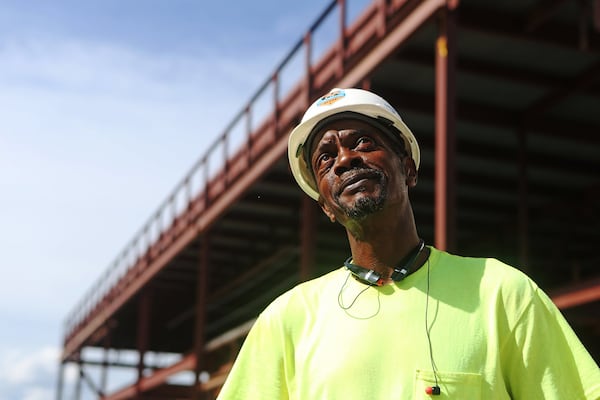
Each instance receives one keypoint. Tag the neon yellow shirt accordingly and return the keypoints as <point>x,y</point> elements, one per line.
<point>494,335</point>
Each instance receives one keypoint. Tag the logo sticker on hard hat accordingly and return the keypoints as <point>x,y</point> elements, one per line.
<point>331,97</point>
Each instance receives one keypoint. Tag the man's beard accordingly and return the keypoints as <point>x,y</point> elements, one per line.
<point>366,205</point>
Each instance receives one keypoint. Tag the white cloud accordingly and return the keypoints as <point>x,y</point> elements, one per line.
<point>38,393</point>
<point>32,373</point>
<point>18,367</point>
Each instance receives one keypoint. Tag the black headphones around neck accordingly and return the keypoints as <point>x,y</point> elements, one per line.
<point>401,271</point>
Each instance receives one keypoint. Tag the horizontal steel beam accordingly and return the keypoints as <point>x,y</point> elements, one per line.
<point>577,296</point>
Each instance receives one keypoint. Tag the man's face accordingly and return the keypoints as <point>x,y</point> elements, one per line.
<point>357,170</point>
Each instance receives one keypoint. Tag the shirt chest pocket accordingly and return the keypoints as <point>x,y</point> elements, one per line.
<point>453,385</point>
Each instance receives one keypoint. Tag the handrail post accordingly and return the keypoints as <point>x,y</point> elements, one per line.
<point>188,200</point>
<point>225,144</point>
<point>248,113</point>
<point>173,208</point>
<point>342,39</point>
<point>308,65</point>
<point>275,80</point>
<point>205,164</point>
<point>159,228</point>
<point>382,15</point>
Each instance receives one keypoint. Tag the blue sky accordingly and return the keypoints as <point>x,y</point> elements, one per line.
<point>104,106</point>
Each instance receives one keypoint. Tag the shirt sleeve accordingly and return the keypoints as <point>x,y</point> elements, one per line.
<point>258,371</point>
<point>544,359</point>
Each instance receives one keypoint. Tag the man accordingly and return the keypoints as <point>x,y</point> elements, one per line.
<point>400,320</point>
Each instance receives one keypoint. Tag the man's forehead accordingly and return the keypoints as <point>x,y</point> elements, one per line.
<point>347,125</point>
<point>341,128</point>
<point>352,120</point>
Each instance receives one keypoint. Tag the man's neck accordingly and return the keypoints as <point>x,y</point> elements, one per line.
<point>381,241</point>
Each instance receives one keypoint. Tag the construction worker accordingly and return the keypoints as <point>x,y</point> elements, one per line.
<point>400,319</point>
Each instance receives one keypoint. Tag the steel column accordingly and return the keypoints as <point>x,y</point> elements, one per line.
<point>143,333</point>
<point>200,322</point>
<point>308,234</point>
<point>445,132</point>
<point>77,394</point>
<point>103,377</point>
<point>60,375</point>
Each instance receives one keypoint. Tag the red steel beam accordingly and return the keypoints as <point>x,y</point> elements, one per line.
<point>577,296</point>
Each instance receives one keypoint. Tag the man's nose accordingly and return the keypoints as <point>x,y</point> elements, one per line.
<point>347,159</point>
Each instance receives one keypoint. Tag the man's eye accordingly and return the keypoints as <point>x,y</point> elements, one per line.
<point>364,141</point>
<point>324,158</point>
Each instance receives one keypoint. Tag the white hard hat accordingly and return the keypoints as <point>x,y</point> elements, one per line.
<point>337,101</point>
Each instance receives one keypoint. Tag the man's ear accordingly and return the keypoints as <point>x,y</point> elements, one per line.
<point>411,172</point>
<point>327,210</point>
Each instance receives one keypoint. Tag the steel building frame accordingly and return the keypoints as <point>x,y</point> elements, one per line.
<point>184,235</point>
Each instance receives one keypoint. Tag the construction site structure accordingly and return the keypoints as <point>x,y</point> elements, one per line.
<point>504,99</point>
